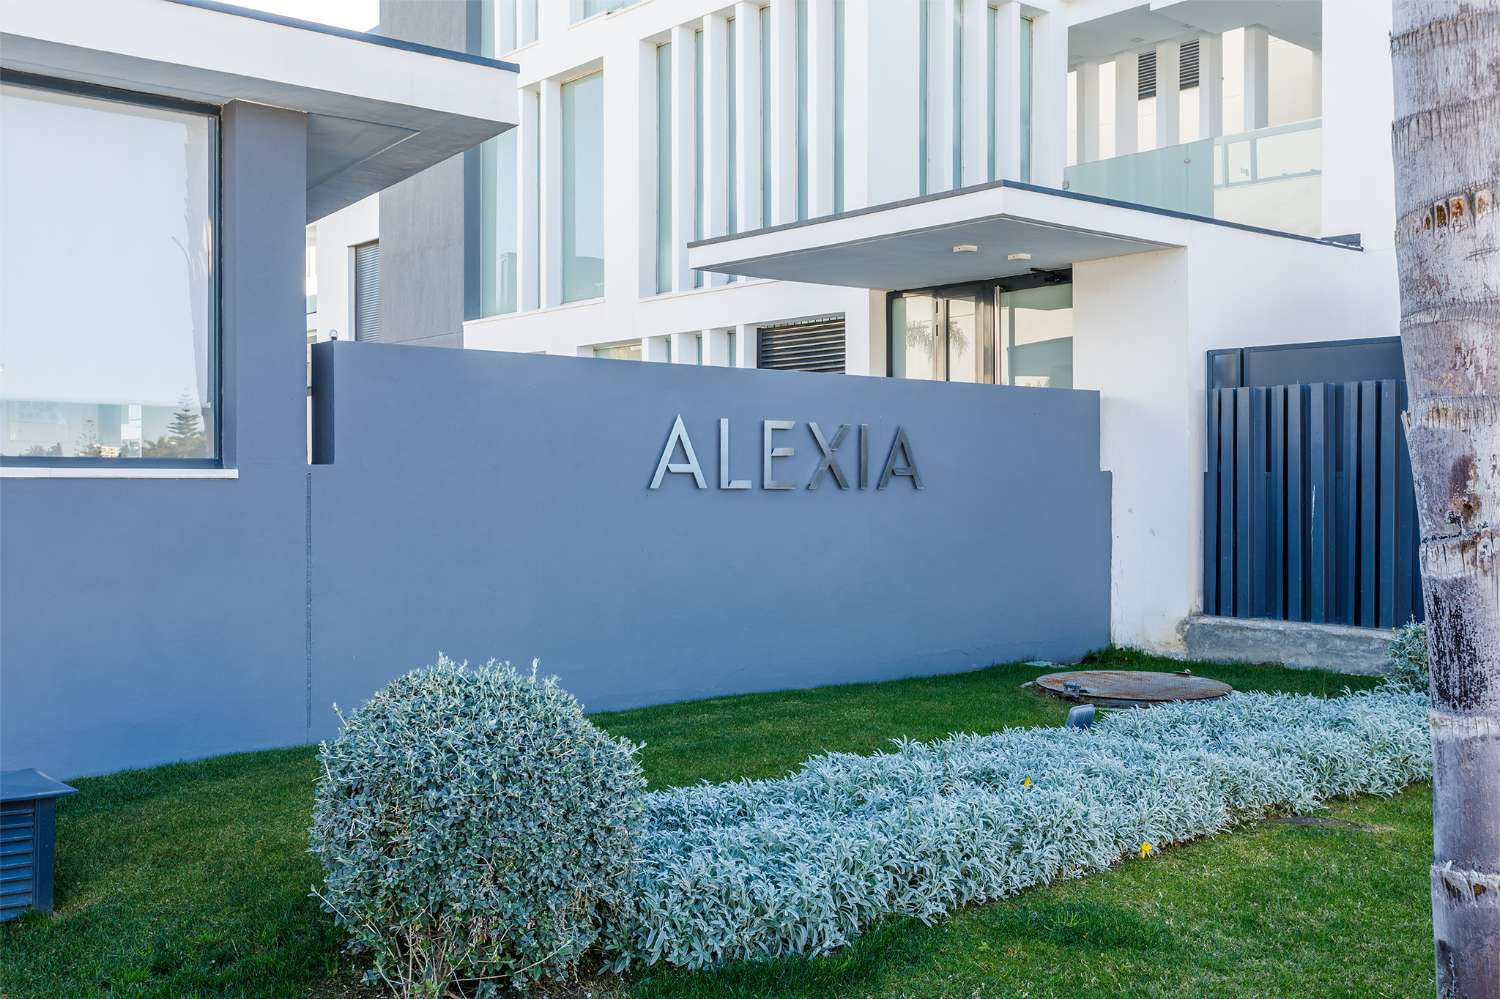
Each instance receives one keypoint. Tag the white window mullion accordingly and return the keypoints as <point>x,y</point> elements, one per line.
<point>549,243</point>
<point>747,121</point>
<point>716,348</point>
<point>783,111</point>
<point>976,64</point>
<point>1008,91</point>
<point>528,174</point>
<point>820,107</point>
<point>715,136</point>
<point>745,346</point>
<point>1049,99</point>
<point>941,59</point>
<point>684,151</point>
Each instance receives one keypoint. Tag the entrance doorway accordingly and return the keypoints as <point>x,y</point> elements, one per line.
<point>1014,331</point>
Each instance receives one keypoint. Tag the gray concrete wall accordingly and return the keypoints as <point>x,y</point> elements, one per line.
<point>423,261</point>
<point>147,620</point>
<point>497,505</point>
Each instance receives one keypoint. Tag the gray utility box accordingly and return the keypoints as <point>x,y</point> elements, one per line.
<point>28,828</point>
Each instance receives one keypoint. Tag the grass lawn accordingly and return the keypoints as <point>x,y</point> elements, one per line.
<point>192,880</point>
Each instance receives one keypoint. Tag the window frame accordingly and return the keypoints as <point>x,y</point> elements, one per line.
<point>213,114</point>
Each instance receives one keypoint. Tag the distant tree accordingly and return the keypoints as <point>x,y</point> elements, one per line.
<point>88,442</point>
<point>184,437</point>
<point>43,451</point>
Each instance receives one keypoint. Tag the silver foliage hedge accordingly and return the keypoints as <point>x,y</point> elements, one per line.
<point>474,826</point>
<point>802,864</point>
<point>1407,666</point>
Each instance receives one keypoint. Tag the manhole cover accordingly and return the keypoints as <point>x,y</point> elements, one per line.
<point>1119,688</point>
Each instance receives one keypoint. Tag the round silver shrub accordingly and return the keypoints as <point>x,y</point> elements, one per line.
<point>476,828</point>
<point>1408,668</point>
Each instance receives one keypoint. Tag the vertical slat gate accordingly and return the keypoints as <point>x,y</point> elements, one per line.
<point>1309,510</point>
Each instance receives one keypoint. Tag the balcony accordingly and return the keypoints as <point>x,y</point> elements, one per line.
<point>1270,177</point>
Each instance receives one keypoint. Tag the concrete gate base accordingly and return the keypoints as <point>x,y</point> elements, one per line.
<point>1291,643</point>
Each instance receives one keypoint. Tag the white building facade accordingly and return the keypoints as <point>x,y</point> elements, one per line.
<point>1082,194</point>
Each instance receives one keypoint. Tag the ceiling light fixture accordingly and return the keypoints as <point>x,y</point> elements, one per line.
<point>966,248</point>
<point>1018,256</point>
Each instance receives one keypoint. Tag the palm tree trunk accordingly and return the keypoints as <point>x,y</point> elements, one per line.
<point>1446,141</point>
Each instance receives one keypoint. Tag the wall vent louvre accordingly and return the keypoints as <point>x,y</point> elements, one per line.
<point>367,292</point>
<point>1146,78</point>
<point>807,345</point>
<point>1189,64</point>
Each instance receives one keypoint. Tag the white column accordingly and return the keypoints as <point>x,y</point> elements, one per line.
<point>685,348</point>
<point>1008,91</point>
<point>976,59</point>
<point>783,111</point>
<point>1049,99</point>
<point>716,348</point>
<point>646,193</point>
<point>528,249</point>
<point>1315,81</point>
<point>819,107</point>
<point>1086,79</point>
<point>1127,102</point>
<point>745,344</point>
<point>716,130</point>
<point>942,56</point>
<point>1257,73</point>
<point>1210,86</point>
<point>549,241</point>
<point>655,348</point>
<point>684,148</point>
<point>1168,94</point>
<point>747,122</point>
<point>881,103</point>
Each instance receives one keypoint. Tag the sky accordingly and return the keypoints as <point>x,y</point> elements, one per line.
<point>358,15</point>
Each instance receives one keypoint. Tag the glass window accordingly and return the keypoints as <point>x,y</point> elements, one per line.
<point>802,109</point>
<point>120,196</point>
<point>700,190</point>
<point>498,246</point>
<point>734,344</point>
<point>1026,33</point>
<point>923,58</point>
<point>588,8</point>
<point>992,19</point>
<point>630,351</point>
<point>732,186</point>
<point>839,12</point>
<point>914,317</point>
<point>1036,337</point>
<point>765,116</point>
<point>958,95</point>
<point>583,188</point>
<point>664,167</point>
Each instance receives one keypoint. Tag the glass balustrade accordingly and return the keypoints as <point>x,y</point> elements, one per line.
<point>1270,177</point>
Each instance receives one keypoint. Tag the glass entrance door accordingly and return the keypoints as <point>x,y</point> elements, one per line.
<point>942,335</point>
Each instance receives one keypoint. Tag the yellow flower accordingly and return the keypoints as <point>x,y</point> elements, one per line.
<point>1145,849</point>
<point>1026,782</point>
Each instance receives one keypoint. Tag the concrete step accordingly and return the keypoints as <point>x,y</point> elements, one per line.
<point>1291,643</point>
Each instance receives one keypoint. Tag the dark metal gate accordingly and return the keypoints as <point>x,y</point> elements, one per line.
<point>1309,510</point>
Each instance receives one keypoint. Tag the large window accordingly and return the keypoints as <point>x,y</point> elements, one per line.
<point>588,8</point>
<point>1015,331</point>
<point>115,199</point>
<point>499,235</point>
<point>583,188</point>
<point>664,167</point>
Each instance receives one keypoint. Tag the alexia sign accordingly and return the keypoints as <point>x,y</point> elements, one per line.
<point>899,459</point>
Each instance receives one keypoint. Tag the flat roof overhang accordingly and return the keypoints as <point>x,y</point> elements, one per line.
<point>911,244</point>
<point>379,110</point>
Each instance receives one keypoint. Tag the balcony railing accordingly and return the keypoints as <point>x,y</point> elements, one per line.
<point>1271,177</point>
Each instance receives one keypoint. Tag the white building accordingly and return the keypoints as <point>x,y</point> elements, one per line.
<point>1067,193</point>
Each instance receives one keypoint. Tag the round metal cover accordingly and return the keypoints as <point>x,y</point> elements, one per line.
<point>1120,688</point>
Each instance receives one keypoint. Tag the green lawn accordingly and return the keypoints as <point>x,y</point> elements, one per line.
<point>191,880</point>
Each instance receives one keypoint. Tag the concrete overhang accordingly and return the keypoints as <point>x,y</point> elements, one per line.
<point>379,109</point>
<point>1139,26</point>
<point>911,244</point>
